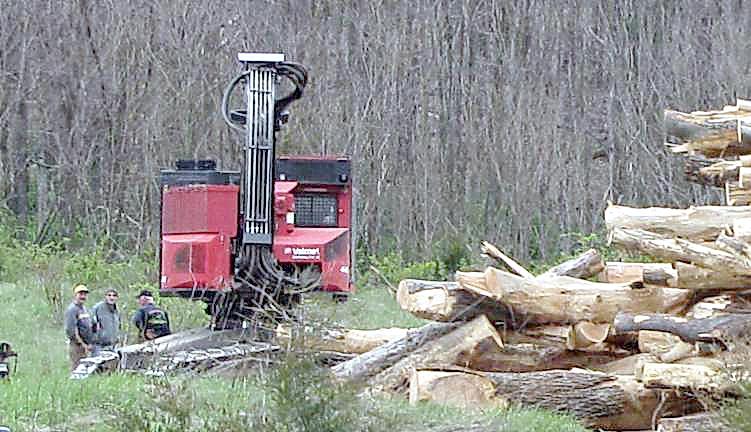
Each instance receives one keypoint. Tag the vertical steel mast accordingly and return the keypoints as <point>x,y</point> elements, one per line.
<point>258,182</point>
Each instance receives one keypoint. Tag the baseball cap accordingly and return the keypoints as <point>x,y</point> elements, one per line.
<point>146,293</point>
<point>80,288</point>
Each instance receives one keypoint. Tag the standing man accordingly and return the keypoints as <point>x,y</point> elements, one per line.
<point>78,326</point>
<point>151,321</point>
<point>107,319</point>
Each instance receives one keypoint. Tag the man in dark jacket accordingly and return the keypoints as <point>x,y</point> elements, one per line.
<point>152,322</point>
<point>78,326</point>
<point>107,321</point>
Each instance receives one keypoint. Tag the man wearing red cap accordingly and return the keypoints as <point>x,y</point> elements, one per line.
<point>78,326</point>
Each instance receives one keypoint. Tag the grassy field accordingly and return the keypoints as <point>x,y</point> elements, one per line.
<point>296,396</point>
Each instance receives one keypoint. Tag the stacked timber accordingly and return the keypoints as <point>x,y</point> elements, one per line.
<point>637,349</point>
<point>717,147</point>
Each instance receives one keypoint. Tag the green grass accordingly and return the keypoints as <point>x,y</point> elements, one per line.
<point>294,397</point>
<point>371,307</point>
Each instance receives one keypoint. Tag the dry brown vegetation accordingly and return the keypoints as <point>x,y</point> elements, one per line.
<point>520,117</point>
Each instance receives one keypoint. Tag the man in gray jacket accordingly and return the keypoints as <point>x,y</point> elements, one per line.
<point>107,322</point>
<point>78,326</point>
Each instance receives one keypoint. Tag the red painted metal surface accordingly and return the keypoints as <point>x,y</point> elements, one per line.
<point>196,261</point>
<point>327,248</point>
<point>198,224</point>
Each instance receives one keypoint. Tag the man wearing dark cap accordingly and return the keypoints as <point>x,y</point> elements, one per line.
<point>78,326</point>
<point>107,322</point>
<point>152,322</point>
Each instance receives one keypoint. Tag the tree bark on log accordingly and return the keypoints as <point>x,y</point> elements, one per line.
<point>446,302</point>
<point>660,274</point>
<point>721,329</point>
<point>584,266</point>
<point>703,223</point>
<point>702,279</point>
<point>338,340</point>
<point>596,399</point>
<point>565,300</point>
<point>703,422</point>
<point>712,134</point>
<point>373,362</point>
<point>462,347</point>
<point>680,250</point>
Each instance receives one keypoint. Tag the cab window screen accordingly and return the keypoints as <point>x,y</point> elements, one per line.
<point>315,210</point>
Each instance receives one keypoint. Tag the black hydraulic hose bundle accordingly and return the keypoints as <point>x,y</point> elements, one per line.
<point>295,72</point>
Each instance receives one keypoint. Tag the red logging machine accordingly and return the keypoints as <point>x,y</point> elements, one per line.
<point>255,239</point>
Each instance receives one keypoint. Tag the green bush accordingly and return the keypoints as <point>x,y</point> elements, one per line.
<point>394,268</point>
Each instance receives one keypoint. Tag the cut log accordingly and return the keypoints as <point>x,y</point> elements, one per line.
<point>712,307</point>
<point>493,252</point>
<point>702,279</point>
<point>680,250</point>
<point>702,422</point>
<point>712,134</point>
<point>742,229</point>
<point>722,329</point>
<point>582,336</point>
<point>596,399</point>
<point>668,348</point>
<point>657,342</point>
<point>131,356</point>
<point>744,177</point>
<point>737,196</point>
<point>462,389</point>
<point>682,377</point>
<point>733,246</point>
<point>462,347</point>
<point>584,266</point>
<point>628,365</point>
<point>565,300</point>
<point>702,223</point>
<point>337,340</point>
<point>446,301</point>
<point>625,365</point>
<point>530,357</point>
<point>711,172</point>
<point>373,362</point>
<point>660,274</point>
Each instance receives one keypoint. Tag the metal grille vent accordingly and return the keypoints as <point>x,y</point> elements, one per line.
<point>316,210</point>
<point>190,259</point>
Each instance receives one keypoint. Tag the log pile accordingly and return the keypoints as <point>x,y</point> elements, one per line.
<point>717,147</point>
<point>637,349</point>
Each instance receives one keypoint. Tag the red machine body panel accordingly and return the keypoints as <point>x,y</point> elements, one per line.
<point>200,209</point>
<point>198,224</point>
<point>196,261</point>
<point>326,247</point>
